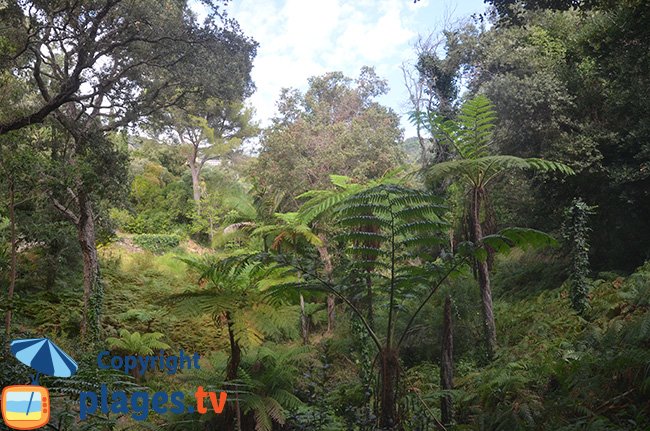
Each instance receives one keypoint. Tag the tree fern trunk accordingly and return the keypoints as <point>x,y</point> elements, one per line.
<point>331,312</point>
<point>231,415</point>
<point>303,321</point>
<point>195,170</point>
<point>371,317</point>
<point>483,278</point>
<point>447,364</point>
<point>232,369</point>
<point>389,369</point>
<point>327,267</point>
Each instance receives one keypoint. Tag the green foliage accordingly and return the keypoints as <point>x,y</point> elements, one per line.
<point>335,126</point>
<point>160,201</point>
<point>264,394</point>
<point>241,289</point>
<point>157,243</point>
<point>576,231</point>
<point>385,225</point>
<point>565,91</point>
<point>386,228</point>
<point>136,282</point>
<point>544,83</point>
<point>393,239</point>
<point>521,274</point>
<point>136,343</point>
<point>471,136</point>
<point>506,239</point>
<point>321,203</point>
<point>225,200</point>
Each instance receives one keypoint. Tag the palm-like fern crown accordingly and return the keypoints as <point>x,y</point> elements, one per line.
<point>242,286</point>
<point>136,343</point>
<point>290,229</point>
<point>320,203</point>
<point>471,136</point>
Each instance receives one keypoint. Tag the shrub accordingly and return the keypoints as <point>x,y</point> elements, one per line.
<point>121,218</point>
<point>149,222</point>
<point>157,243</point>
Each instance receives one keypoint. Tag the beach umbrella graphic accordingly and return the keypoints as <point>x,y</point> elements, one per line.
<point>44,356</point>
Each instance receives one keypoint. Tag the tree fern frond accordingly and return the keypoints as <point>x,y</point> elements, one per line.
<point>420,226</point>
<point>495,165</point>
<point>275,410</point>
<point>454,168</point>
<point>508,238</point>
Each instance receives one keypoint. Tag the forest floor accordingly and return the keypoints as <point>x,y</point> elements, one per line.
<point>553,366</point>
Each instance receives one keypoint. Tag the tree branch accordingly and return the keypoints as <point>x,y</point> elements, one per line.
<point>65,210</point>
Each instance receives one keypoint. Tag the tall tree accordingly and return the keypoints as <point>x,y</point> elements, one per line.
<point>19,167</point>
<point>88,170</point>
<point>336,126</point>
<point>209,130</point>
<point>476,169</point>
<point>433,82</point>
<point>131,59</point>
<point>566,86</point>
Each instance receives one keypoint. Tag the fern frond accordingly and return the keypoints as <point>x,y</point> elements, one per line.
<point>508,238</point>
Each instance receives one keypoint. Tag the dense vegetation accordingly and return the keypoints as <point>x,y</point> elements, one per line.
<point>490,273</point>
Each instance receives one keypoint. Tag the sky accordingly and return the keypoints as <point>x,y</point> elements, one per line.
<point>303,38</point>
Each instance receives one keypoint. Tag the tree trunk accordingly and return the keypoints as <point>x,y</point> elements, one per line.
<point>331,312</point>
<point>196,182</point>
<point>331,300</point>
<point>93,294</point>
<point>447,364</point>
<point>389,373</point>
<point>484,279</point>
<point>231,415</point>
<point>211,230</point>
<point>13,263</point>
<point>232,369</point>
<point>304,325</point>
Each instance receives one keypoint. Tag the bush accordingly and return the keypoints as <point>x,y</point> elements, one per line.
<point>156,243</point>
<point>150,222</point>
<point>121,218</point>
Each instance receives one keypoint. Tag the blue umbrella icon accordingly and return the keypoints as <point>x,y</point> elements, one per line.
<point>45,357</point>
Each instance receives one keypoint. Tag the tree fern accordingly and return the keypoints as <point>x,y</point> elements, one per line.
<point>264,389</point>
<point>476,168</point>
<point>136,343</point>
<point>230,297</point>
<point>393,233</point>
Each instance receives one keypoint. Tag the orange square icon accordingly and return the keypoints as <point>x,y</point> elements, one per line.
<point>25,407</point>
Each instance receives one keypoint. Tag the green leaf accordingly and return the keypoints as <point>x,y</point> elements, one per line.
<point>520,237</point>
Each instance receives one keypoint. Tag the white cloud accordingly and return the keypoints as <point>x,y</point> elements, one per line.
<point>299,39</point>
<point>303,38</point>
